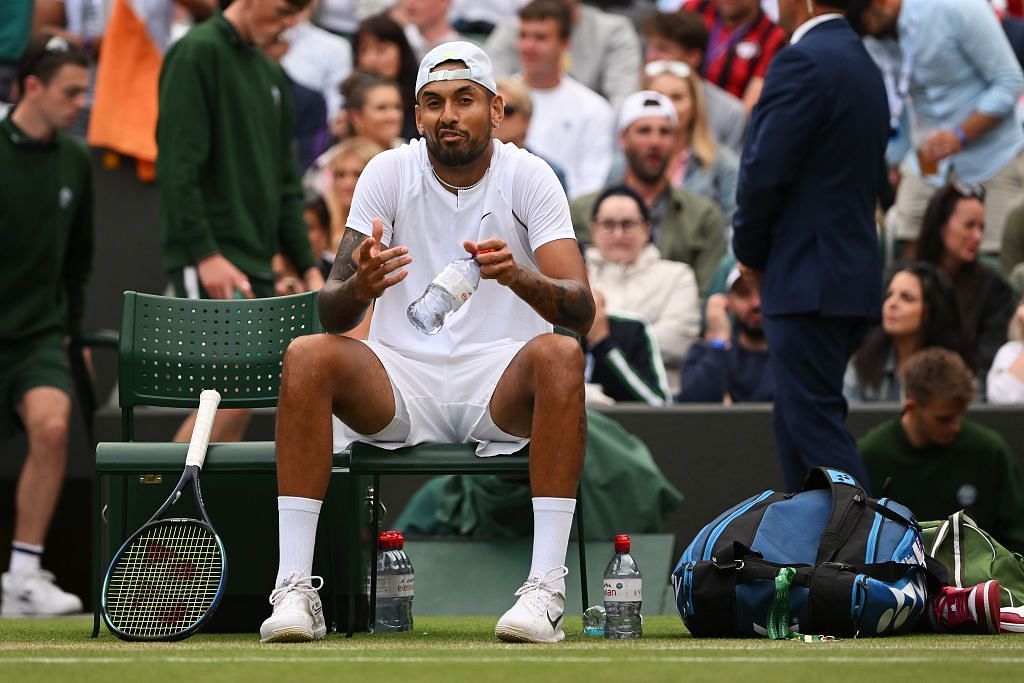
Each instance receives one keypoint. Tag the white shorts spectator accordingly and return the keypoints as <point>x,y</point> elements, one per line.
<point>441,401</point>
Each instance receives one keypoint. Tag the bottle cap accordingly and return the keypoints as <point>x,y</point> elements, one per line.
<point>622,543</point>
<point>399,540</point>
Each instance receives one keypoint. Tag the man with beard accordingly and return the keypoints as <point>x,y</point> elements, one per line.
<point>684,226</point>
<point>730,366</point>
<point>494,374</point>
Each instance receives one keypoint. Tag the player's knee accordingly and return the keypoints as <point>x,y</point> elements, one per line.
<point>559,358</point>
<point>304,355</point>
<point>49,436</point>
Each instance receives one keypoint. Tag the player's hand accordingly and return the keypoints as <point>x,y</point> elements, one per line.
<point>717,316</point>
<point>376,265</point>
<point>495,259</point>
<point>600,329</point>
<point>221,279</point>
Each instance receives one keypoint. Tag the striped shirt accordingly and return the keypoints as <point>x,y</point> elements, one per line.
<point>738,54</point>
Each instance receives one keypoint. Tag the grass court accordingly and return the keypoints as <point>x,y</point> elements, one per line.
<point>464,649</point>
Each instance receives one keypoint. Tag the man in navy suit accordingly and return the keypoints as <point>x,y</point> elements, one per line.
<point>811,172</point>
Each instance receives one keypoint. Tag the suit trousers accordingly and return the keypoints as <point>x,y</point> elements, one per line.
<point>808,354</point>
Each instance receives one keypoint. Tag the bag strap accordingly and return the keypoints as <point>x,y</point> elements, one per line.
<point>848,501</point>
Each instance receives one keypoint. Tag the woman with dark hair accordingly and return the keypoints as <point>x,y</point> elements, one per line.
<point>382,48</point>
<point>919,310</point>
<point>951,233</point>
<point>629,272</point>
<point>373,109</point>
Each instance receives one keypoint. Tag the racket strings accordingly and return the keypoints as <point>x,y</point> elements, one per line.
<point>165,580</point>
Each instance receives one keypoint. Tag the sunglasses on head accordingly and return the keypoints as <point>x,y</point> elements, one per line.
<point>665,66</point>
<point>969,191</point>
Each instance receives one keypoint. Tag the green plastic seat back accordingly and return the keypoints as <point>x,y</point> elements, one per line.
<point>171,349</point>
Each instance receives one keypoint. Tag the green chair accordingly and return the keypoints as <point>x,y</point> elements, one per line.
<point>171,349</point>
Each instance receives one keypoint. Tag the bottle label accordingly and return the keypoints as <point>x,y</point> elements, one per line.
<point>406,587</point>
<point>387,586</point>
<point>456,284</point>
<point>623,590</point>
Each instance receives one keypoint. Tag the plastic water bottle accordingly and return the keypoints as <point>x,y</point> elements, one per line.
<point>623,594</point>
<point>444,295</point>
<point>406,588</point>
<point>388,615</point>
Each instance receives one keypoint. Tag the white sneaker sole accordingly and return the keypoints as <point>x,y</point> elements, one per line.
<point>293,634</point>
<point>511,634</point>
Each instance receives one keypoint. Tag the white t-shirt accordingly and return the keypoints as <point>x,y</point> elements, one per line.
<point>318,60</point>
<point>1002,386</point>
<point>573,126</point>
<point>519,201</point>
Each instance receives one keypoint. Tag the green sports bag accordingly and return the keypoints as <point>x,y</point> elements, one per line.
<point>972,556</point>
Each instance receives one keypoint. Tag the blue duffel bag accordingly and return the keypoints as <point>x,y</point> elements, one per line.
<point>827,561</point>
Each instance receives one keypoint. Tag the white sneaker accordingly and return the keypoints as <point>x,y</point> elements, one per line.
<point>538,614</point>
<point>298,615</point>
<point>35,593</point>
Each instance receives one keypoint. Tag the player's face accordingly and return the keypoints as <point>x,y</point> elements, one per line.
<point>268,19</point>
<point>647,144</point>
<point>62,99</point>
<point>456,119</point>
<point>619,230</point>
<point>381,117</point>
<point>938,422</point>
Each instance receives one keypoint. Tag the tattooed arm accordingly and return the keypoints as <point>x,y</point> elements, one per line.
<point>559,293</point>
<point>361,272</point>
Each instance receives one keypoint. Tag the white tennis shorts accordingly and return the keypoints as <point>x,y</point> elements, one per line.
<point>441,400</point>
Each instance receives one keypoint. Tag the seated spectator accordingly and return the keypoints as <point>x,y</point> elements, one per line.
<point>730,366</point>
<point>518,115</point>
<point>373,109</point>
<point>951,238</point>
<point>317,59</point>
<point>919,310</point>
<point>318,222</point>
<point>427,24</point>
<point>743,42</point>
<point>697,163</point>
<point>623,359</point>
<point>631,275</point>
<point>604,50</point>
<point>346,162</point>
<point>572,125</point>
<point>1006,378</point>
<point>309,111</point>
<point>381,48</point>
<point>683,37</point>
<point>684,226</point>
<point>1011,253</point>
<point>937,462</point>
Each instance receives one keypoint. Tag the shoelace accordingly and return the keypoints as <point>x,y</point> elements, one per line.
<point>306,585</point>
<point>534,588</point>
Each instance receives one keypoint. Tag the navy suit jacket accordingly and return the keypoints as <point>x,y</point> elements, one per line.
<point>810,176</point>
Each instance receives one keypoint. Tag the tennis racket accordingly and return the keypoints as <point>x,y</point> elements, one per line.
<point>167,579</point>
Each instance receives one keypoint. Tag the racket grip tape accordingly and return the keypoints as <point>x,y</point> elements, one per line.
<point>208,402</point>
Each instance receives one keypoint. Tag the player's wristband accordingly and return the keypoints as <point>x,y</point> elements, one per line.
<point>961,136</point>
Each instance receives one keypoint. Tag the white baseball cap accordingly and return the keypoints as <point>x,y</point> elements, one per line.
<point>645,103</point>
<point>478,65</point>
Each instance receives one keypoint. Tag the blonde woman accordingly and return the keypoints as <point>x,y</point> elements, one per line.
<point>1006,378</point>
<point>697,163</point>
<point>345,162</point>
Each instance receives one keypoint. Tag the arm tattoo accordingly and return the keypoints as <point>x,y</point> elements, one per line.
<point>561,302</point>
<point>345,262</point>
<point>340,310</point>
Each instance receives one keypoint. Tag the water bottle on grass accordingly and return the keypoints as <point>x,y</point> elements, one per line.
<point>623,594</point>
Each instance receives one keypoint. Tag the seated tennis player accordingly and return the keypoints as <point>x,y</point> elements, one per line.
<point>495,375</point>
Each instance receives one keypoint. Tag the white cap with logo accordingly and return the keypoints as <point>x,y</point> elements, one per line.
<point>645,103</point>
<point>478,65</point>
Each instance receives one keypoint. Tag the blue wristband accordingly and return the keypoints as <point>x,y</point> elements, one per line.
<point>720,344</point>
<point>961,136</point>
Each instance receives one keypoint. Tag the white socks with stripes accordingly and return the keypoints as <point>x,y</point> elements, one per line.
<point>297,518</point>
<point>25,557</point>
<point>552,522</point>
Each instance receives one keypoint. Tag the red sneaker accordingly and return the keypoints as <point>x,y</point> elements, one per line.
<point>1011,620</point>
<point>966,610</point>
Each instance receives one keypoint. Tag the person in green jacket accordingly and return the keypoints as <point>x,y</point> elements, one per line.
<point>230,192</point>
<point>46,213</point>
<point>937,461</point>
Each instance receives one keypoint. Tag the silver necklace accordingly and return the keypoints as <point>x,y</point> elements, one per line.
<point>457,188</point>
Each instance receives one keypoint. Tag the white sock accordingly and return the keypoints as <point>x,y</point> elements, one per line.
<point>25,557</point>
<point>552,522</point>
<point>297,518</point>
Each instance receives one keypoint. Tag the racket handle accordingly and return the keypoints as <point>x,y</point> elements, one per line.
<point>208,402</point>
